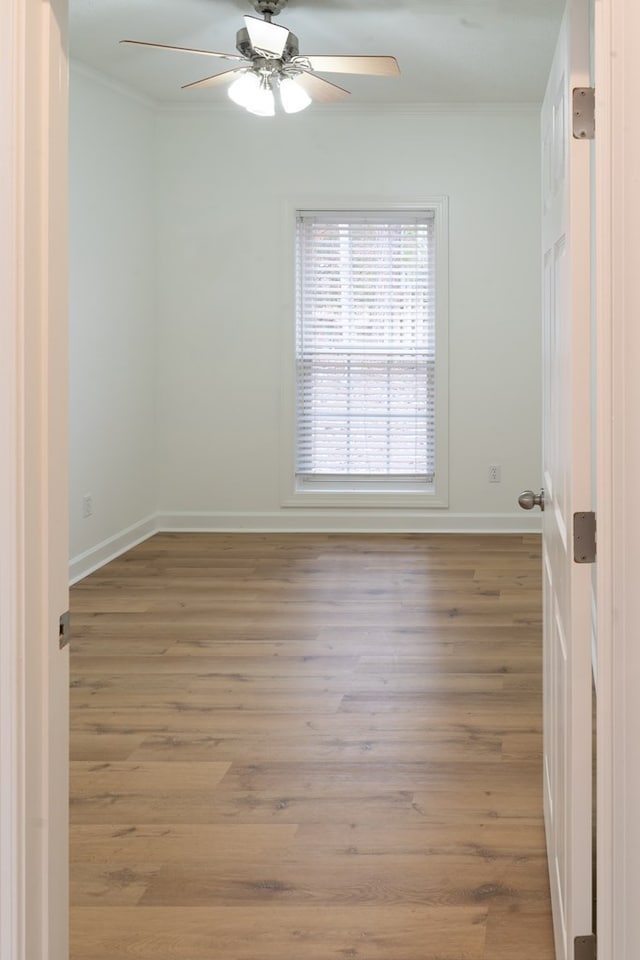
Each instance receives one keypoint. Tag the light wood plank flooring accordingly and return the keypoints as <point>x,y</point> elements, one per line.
<point>308,747</point>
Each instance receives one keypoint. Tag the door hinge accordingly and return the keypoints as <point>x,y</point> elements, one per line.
<point>64,635</point>
<point>584,948</point>
<point>584,113</point>
<point>584,537</point>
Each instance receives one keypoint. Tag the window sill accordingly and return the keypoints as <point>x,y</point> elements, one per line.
<point>356,497</point>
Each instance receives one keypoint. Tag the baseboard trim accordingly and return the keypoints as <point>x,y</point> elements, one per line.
<point>300,521</point>
<point>91,560</point>
<point>347,522</point>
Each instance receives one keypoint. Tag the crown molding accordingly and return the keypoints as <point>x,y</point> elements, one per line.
<point>110,83</point>
<point>401,111</point>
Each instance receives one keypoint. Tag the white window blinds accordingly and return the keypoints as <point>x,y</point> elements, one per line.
<point>365,346</point>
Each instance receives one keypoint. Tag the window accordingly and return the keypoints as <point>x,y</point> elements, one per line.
<point>366,376</point>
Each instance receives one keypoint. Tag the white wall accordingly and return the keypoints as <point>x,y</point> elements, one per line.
<point>224,297</point>
<point>111,318</point>
<point>180,295</point>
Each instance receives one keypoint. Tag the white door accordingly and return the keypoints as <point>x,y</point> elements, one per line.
<point>567,487</point>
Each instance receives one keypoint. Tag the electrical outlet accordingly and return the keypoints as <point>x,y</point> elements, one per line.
<point>495,473</point>
<point>87,505</point>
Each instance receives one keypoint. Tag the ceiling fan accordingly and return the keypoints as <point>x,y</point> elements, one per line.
<point>272,71</point>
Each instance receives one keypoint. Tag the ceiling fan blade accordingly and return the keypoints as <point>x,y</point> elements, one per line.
<point>323,91</point>
<point>374,66</point>
<point>217,80</point>
<point>267,37</point>
<point>167,46</point>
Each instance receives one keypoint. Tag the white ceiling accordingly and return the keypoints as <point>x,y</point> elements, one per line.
<point>449,50</point>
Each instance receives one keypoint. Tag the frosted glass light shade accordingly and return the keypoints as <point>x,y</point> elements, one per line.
<point>244,89</point>
<point>253,93</point>
<point>263,102</point>
<point>292,95</point>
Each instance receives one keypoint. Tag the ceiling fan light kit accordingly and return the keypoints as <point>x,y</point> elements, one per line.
<point>259,94</point>
<point>272,75</point>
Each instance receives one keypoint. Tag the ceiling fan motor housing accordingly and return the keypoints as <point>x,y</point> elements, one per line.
<point>243,46</point>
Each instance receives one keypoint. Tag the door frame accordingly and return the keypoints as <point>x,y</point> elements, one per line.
<point>12,832</point>
<point>617,151</point>
<point>32,516</point>
<point>33,480</point>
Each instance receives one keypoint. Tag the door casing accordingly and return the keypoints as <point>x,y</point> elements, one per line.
<point>33,481</point>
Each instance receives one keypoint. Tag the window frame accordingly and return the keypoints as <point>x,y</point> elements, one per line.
<point>373,493</point>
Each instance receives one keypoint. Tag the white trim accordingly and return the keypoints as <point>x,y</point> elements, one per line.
<point>609,889</point>
<point>12,637</point>
<point>110,83</point>
<point>295,521</point>
<point>618,432</point>
<point>33,537</point>
<point>611,906</point>
<point>329,521</point>
<point>594,636</point>
<point>85,563</point>
<point>350,110</point>
<point>292,495</point>
<point>361,499</point>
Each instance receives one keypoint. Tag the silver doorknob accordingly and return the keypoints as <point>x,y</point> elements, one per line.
<point>528,500</point>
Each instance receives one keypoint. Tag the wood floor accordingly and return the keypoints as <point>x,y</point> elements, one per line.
<point>308,747</point>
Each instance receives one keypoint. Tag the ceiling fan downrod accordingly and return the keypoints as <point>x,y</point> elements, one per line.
<point>269,8</point>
